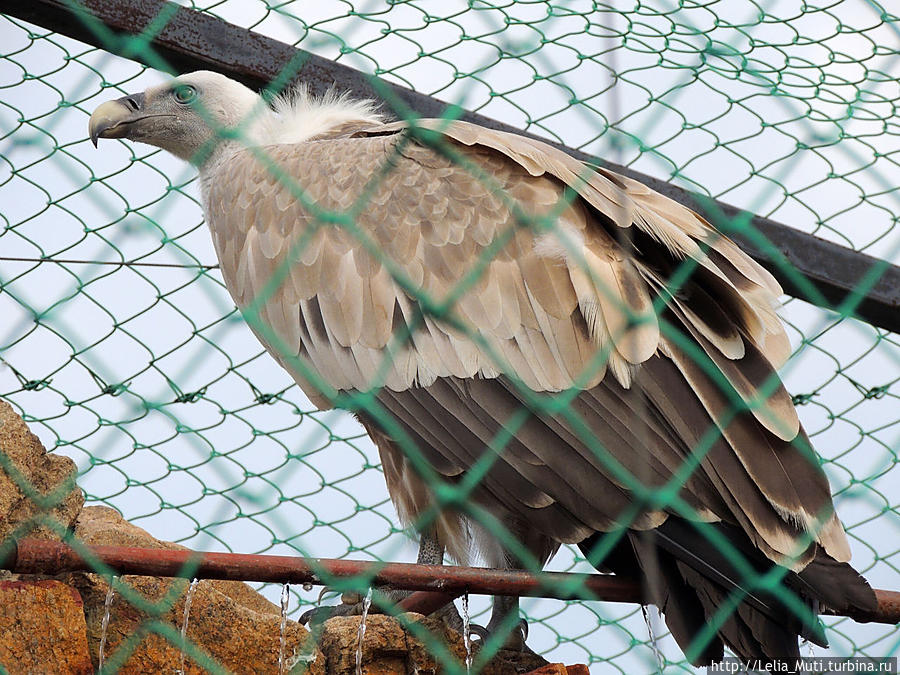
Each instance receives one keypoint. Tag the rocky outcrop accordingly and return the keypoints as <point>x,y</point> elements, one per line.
<point>42,629</point>
<point>229,624</point>
<point>55,625</point>
<point>38,495</point>
<point>390,648</point>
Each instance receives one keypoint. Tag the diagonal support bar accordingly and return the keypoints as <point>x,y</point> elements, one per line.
<point>193,40</point>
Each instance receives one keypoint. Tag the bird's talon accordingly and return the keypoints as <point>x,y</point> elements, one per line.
<point>478,630</point>
<point>308,617</point>
<point>523,627</point>
<point>325,591</point>
<point>514,642</point>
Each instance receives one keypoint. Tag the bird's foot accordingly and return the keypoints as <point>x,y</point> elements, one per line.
<point>515,638</point>
<point>352,604</point>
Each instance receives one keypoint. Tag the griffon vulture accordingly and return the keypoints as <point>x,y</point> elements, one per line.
<point>459,276</point>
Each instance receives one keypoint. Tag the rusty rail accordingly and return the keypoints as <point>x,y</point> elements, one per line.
<point>437,584</point>
<point>192,40</point>
<point>37,556</point>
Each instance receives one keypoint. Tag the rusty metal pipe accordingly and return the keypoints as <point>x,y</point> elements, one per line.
<point>437,584</point>
<point>34,556</point>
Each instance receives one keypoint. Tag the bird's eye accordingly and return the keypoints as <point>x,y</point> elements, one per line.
<point>184,93</point>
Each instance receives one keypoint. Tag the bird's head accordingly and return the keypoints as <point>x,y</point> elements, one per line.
<point>188,117</point>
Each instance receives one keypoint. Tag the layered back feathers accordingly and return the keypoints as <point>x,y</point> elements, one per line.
<point>557,307</point>
<point>556,274</point>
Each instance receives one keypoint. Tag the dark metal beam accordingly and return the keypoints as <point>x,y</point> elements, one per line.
<point>192,40</point>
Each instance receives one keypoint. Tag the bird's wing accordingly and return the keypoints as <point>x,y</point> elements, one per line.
<point>542,271</point>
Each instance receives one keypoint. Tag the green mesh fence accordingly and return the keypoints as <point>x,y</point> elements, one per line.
<point>122,349</point>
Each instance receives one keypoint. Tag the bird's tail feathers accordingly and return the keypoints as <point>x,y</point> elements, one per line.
<point>691,580</point>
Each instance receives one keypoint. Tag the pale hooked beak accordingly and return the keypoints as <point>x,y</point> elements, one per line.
<point>113,118</point>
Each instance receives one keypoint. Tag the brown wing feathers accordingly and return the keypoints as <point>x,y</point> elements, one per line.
<point>545,303</point>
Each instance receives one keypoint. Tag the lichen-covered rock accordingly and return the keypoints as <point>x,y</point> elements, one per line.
<point>233,625</point>
<point>42,629</point>
<point>103,526</point>
<point>30,475</point>
<point>389,648</point>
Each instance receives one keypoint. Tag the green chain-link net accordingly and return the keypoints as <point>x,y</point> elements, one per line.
<point>145,374</point>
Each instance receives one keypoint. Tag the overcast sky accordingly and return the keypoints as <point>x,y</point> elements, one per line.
<point>175,448</point>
